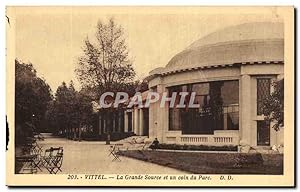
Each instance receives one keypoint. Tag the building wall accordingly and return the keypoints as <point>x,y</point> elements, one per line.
<point>246,74</point>
<point>249,117</point>
<point>211,74</point>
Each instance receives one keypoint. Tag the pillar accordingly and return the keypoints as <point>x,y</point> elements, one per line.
<point>132,120</point>
<point>245,107</point>
<point>141,122</point>
<point>125,121</point>
<point>100,124</point>
<point>152,118</point>
<point>113,122</point>
<point>162,120</point>
<point>119,121</point>
<point>136,121</point>
<point>104,125</point>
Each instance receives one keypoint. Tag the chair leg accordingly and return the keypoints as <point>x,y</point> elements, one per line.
<point>116,157</point>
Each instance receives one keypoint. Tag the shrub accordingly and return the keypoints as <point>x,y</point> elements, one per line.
<point>197,147</point>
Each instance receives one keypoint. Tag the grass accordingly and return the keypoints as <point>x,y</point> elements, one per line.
<point>213,163</point>
<point>197,147</point>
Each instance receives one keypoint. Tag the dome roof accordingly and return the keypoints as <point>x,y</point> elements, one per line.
<point>249,42</point>
<point>242,32</point>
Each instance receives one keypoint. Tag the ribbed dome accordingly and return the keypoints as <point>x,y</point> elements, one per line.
<point>249,42</point>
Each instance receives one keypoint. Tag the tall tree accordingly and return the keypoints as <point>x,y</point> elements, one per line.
<point>105,64</point>
<point>61,110</point>
<point>273,107</point>
<point>32,95</point>
<point>69,111</point>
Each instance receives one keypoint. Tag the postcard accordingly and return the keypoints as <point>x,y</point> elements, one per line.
<point>150,96</point>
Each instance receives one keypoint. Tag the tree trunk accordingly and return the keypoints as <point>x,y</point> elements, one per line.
<point>79,135</point>
<point>108,139</point>
<point>74,134</point>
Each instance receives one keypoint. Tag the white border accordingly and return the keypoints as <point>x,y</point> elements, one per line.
<point>4,3</point>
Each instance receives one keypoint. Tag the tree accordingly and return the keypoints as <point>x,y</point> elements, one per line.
<point>105,64</point>
<point>52,118</point>
<point>58,109</point>
<point>84,111</point>
<point>32,95</point>
<point>273,106</point>
<point>69,111</point>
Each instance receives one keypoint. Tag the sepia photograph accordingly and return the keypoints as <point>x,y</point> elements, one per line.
<point>150,96</point>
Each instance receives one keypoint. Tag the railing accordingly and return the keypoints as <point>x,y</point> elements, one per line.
<point>223,139</point>
<point>219,137</point>
<point>194,139</point>
<point>209,140</point>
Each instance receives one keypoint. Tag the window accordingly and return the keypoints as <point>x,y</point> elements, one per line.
<point>219,108</point>
<point>263,133</point>
<point>263,91</point>
<point>175,113</point>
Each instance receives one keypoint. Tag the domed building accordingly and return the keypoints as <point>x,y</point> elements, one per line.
<point>231,71</point>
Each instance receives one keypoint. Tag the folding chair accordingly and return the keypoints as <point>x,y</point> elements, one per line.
<point>31,149</point>
<point>54,162</point>
<point>114,152</point>
<point>37,148</point>
<point>58,160</point>
<point>111,150</point>
<point>28,164</point>
<point>116,157</point>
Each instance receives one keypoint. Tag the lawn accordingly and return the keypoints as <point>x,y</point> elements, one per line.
<point>213,163</point>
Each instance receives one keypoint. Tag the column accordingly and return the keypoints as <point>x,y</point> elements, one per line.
<point>152,118</point>
<point>141,122</point>
<point>113,122</point>
<point>245,125</point>
<point>132,120</point>
<point>119,121</point>
<point>104,125</point>
<point>136,121</point>
<point>100,124</point>
<point>162,119</point>
<point>125,121</point>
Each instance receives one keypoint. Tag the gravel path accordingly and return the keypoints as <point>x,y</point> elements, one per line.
<point>88,157</point>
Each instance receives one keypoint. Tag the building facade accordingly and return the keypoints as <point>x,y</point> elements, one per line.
<point>231,72</point>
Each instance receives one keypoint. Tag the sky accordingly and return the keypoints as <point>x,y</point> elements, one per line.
<point>52,38</point>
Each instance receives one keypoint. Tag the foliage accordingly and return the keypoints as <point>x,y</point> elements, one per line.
<point>32,95</point>
<point>70,109</point>
<point>142,86</point>
<point>197,147</point>
<point>105,64</point>
<point>273,106</point>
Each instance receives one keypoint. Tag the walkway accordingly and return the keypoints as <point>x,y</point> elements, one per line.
<point>92,157</point>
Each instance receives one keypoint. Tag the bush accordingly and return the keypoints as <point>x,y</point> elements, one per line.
<point>197,147</point>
